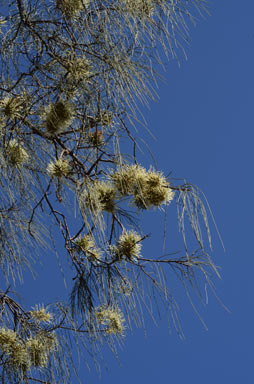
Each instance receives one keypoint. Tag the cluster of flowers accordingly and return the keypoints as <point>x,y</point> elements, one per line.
<point>79,68</point>
<point>148,188</point>
<point>58,168</point>
<point>58,116</point>
<point>16,154</point>
<point>39,314</point>
<point>71,8</point>
<point>99,196</point>
<point>87,245</point>
<point>128,246</point>
<point>12,107</point>
<point>31,352</point>
<point>112,318</point>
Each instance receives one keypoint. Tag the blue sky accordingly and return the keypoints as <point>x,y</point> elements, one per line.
<point>203,125</point>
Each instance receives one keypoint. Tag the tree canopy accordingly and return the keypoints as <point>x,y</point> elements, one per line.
<point>74,74</point>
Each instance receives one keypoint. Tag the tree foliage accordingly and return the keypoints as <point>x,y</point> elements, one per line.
<point>73,75</point>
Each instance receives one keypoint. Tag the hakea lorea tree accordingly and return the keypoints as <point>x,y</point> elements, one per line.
<point>73,73</point>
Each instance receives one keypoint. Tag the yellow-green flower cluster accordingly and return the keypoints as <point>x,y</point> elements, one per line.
<point>87,245</point>
<point>11,107</point>
<point>112,318</point>
<point>7,338</point>
<point>128,245</point>
<point>79,68</point>
<point>22,354</point>
<point>37,352</point>
<point>128,177</point>
<point>71,7</point>
<point>58,117</point>
<point>18,356</point>
<point>107,195</point>
<point>17,155</point>
<point>100,196</point>
<point>39,314</point>
<point>16,351</point>
<point>154,192</point>
<point>149,188</point>
<point>39,348</point>
<point>58,168</point>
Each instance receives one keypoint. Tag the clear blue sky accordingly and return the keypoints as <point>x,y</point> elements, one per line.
<point>204,127</point>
